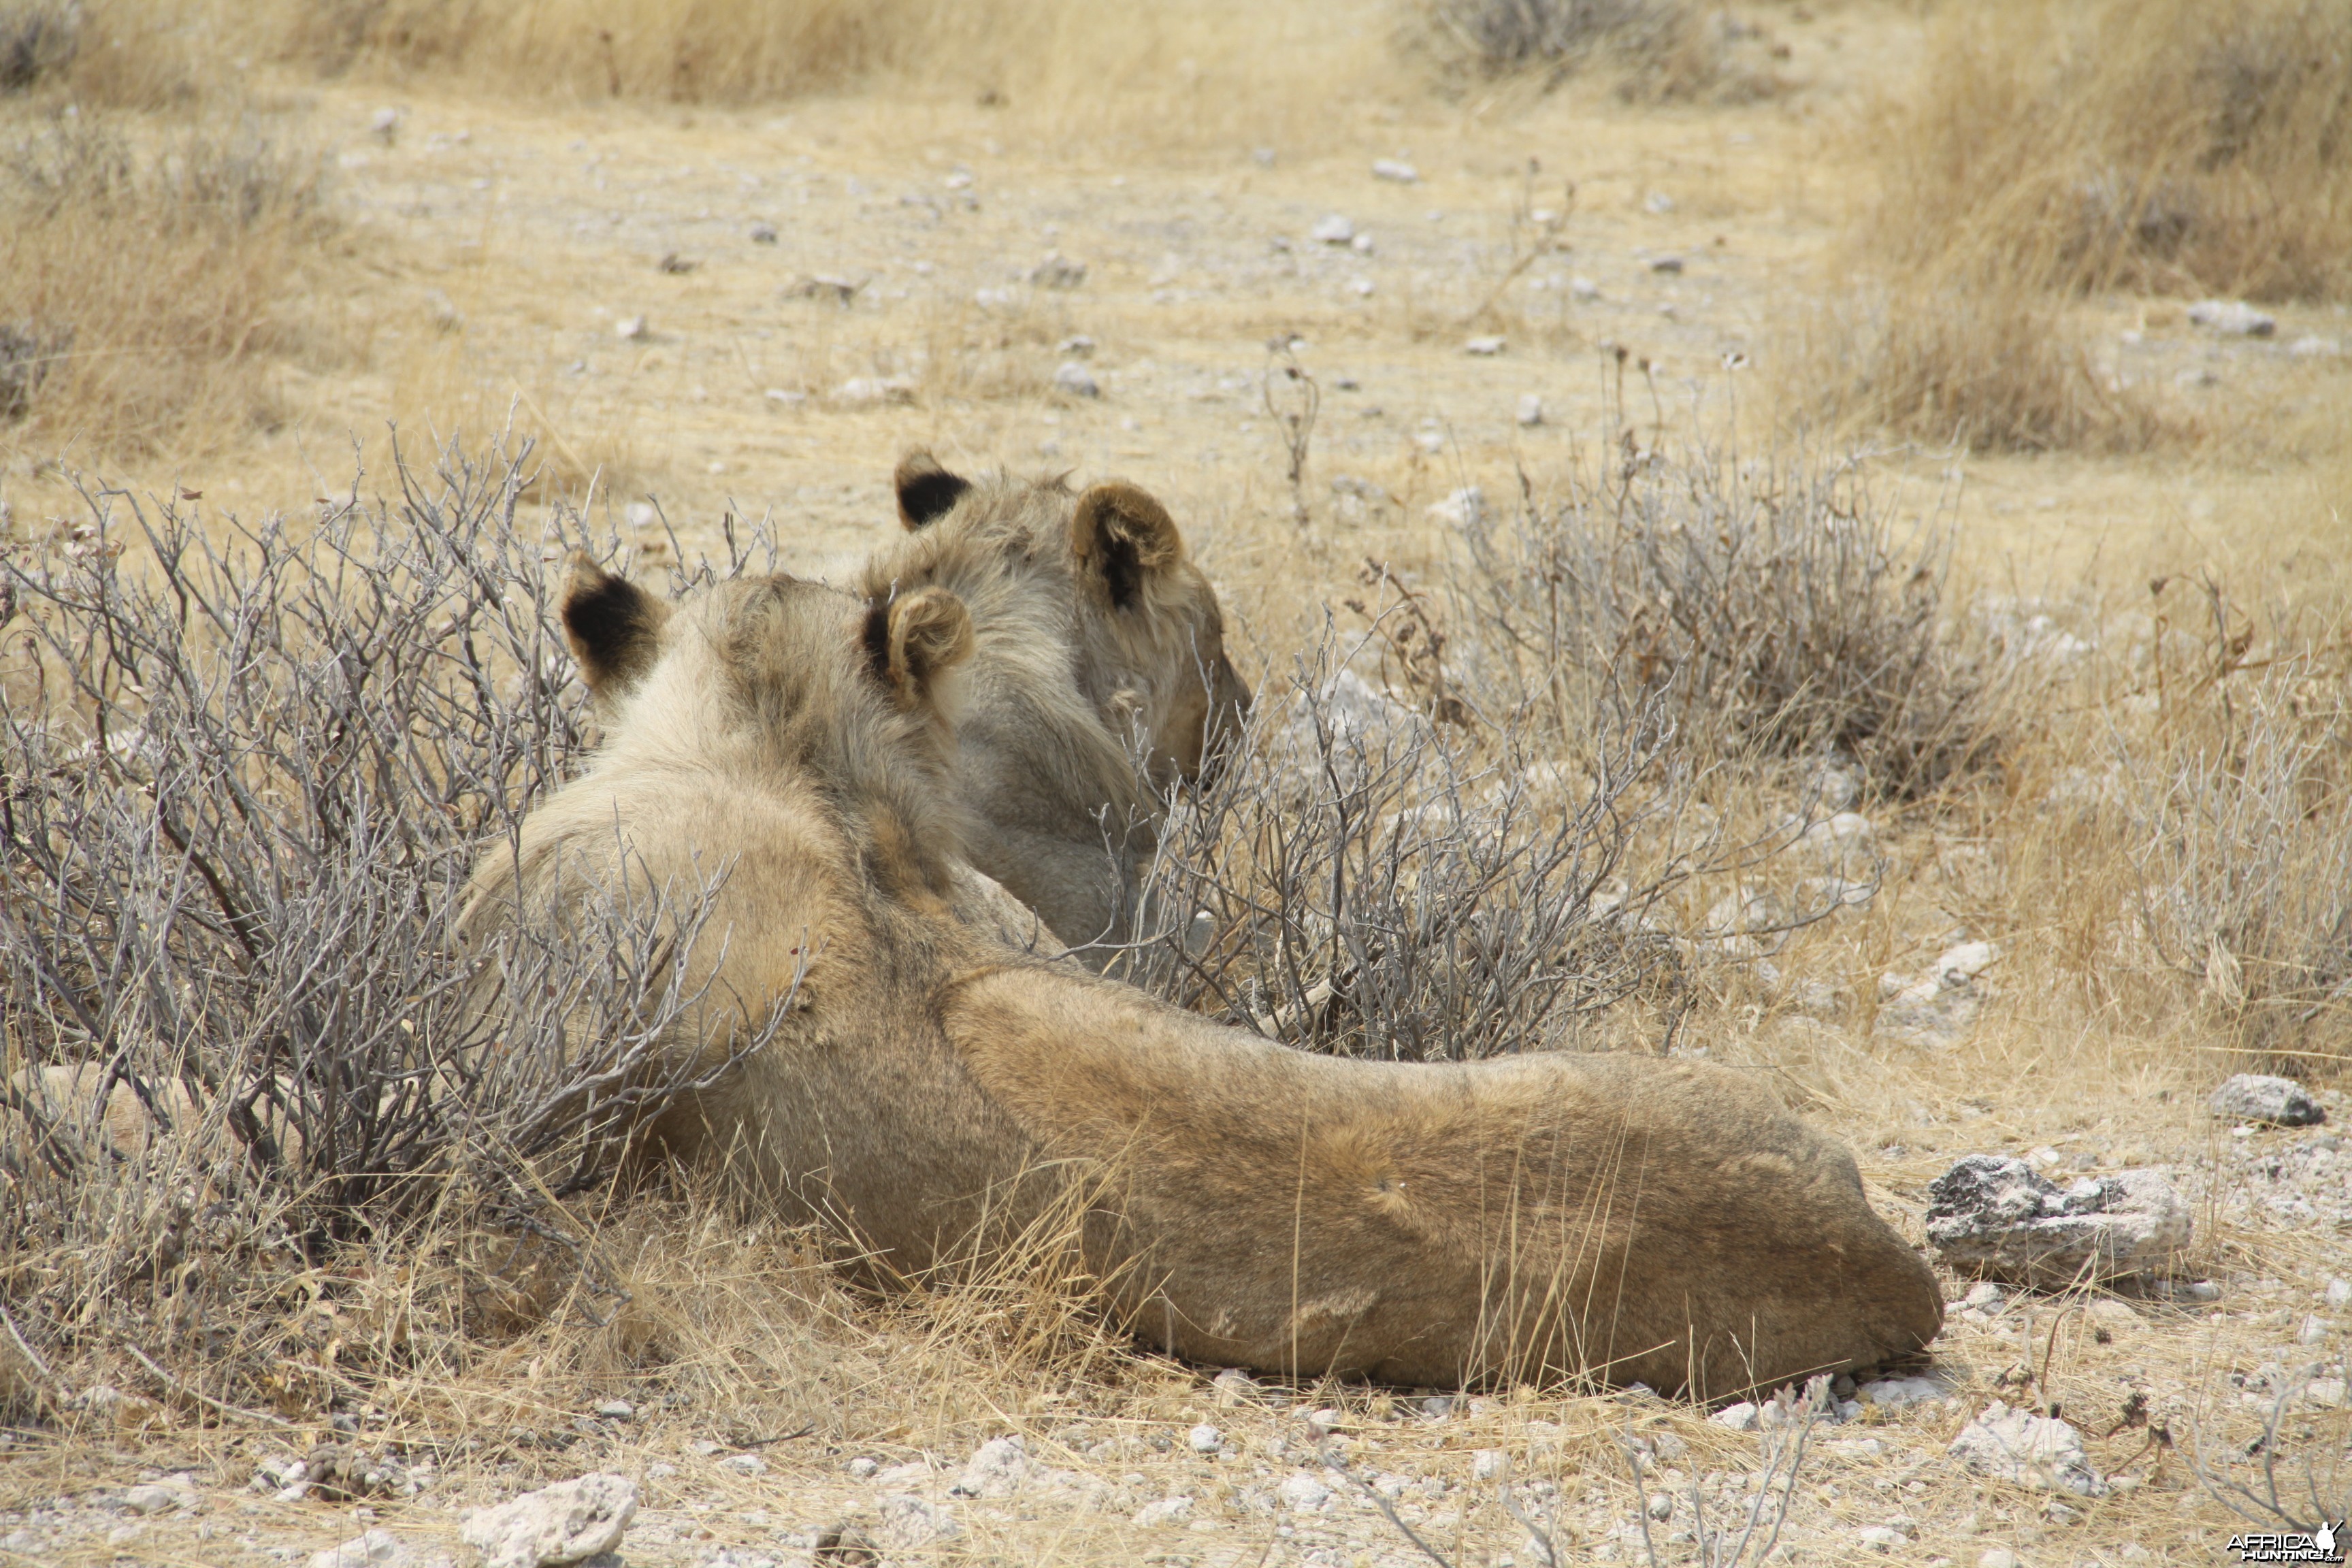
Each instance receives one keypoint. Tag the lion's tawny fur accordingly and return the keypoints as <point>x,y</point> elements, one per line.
<point>1090,622</point>
<point>933,1092</point>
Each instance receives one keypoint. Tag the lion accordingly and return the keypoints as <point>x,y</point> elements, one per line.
<point>1092,628</point>
<point>936,1094</point>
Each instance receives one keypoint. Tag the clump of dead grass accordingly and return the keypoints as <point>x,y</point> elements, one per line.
<point>1656,50</point>
<point>146,275</point>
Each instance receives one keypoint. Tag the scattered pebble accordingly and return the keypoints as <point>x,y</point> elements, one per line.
<point>1465,508</point>
<point>1333,230</point>
<point>376,1549</point>
<point>632,328</point>
<point>2040,1452</point>
<point>1058,271</point>
<point>1584,289</point>
<point>1531,409</point>
<point>1204,1439</point>
<point>763,234</point>
<point>744,1464</point>
<point>1075,378</point>
<point>2314,347</point>
<point>1665,264</point>
<point>616,1410</point>
<point>1166,1511</point>
<point>1740,1417</point>
<point>1395,169</point>
<point>563,1524</point>
<point>1485,345</point>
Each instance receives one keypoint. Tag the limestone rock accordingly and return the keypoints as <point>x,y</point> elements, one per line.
<point>2234,317</point>
<point>996,1469</point>
<point>2027,1451</point>
<point>376,1549</point>
<point>567,1523</point>
<point>2276,1101</point>
<point>1990,1215</point>
<point>1938,1008</point>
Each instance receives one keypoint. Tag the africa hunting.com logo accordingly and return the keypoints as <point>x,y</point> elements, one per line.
<point>2318,1547</point>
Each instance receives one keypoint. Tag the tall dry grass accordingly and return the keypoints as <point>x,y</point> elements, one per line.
<point>2046,151</point>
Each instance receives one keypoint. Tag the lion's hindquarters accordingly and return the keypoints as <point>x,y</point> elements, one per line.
<point>1548,1216</point>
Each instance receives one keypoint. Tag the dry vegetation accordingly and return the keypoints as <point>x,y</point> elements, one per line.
<point>1558,774</point>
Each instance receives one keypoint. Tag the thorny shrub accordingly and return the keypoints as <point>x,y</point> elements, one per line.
<point>246,771</point>
<point>1774,607</point>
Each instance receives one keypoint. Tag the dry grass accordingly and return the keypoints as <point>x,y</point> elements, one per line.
<point>149,277</point>
<point>2048,152</point>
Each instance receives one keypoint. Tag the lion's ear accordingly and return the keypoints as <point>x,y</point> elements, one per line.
<point>613,626</point>
<point>914,641</point>
<point>925,491</point>
<point>1120,536</point>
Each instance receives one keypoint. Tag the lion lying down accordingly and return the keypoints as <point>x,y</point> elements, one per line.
<point>933,1092</point>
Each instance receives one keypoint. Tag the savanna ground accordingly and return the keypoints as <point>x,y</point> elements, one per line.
<point>1742,278</point>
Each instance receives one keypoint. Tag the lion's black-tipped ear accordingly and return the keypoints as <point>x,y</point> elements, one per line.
<point>925,491</point>
<point>1121,536</point>
<point>613,626</point>
<point>914,640</point>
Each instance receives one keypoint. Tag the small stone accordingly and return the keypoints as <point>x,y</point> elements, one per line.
<point>1584,288</point>
<point>1204,1439</point>
<point>1396,170</point>
<point>1665,264</point>
<point>744,1465</point>
<point>1465,508</point>
<point>862,1468</point>
<point>155,1497</point>
<point>1333,230</point>
<point>1233,1384</point>
<point>616,1410</point>
<point>1076,346</point>
<point>1488,1464</point>
<point>1485,347</point>
<point>1896,1393</point>
<point>870,390</point>
<point>2312,347</point>
<point>2339,1294</point>
<point>384,123</point>
<point>1658,203</point>
<point>1662,1506</point>
<point>1531,409</point>
<point>1166,1511</point>
<point>2274,1101</point>
<point>911,1523</point>
<point>763,234</point>
<point>2313,1332</point>
<point>1076,379</point>
<point>1262,156</point>
<point>1362,244</point>
<point>1991,1214</point>
<point>1058,271</point>
<point>996,1469</point>
<point>1302,1492</point>
<point>1362,289</point>
<point>2028,1451</point>
<point>376,1549</point>
<point>1881,1537</point>
<point>567,1523</point>
<point>661,1470</point>
<point>1740,1417</point>
<point>631,328</point>
<point>785,395</point>
<point>2234,318</point>
<point>1998,1557</point>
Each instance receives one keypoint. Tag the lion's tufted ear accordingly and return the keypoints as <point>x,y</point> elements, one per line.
<point>613,626</point>
<point>914,641</point>
<point>925,491</point>
<point>1122,535</point>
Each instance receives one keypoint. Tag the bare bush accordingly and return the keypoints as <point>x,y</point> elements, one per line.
<point>245,782</point>
<point>1771,606</point>
<point>2239,806</point>
<point>36,41</point>
<point>1657,48</point>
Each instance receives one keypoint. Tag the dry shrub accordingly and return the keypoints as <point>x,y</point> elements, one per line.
<point>145,279</point>
<point>245,782</point>
<point>2238,819</point>
<point>1657,48</point>
<point>1774,606</point>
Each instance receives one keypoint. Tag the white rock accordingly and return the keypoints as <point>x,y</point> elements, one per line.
<point>1233,1384</point>
<point>1465,508</point>
<point>566,1523</point>
<point>1740,1417</point>
<point>1303,1493</point>
<point>1362,288</point>
<point>1995,1216</point>
<point>2276,1101</point>
<point>1881,1537</point>
<point>910,1523</point>
<point>1166,1510</point>
<point>1894,1393</point>
<point>2339,1294</point>
<point>1333,230</point>
<point>154,1496</point>
<point>1395,169</point>
<point>996,1469</point>
<point>2310,347</point>
<point>376,1549</point>
<point>1531,409</point>
<point>1848,837</point>
<point>1984,1295</point>
<point>2326,1393</point>
<point>2234,317</point>
<point>1077,345</point>
<point>384,122</point>
<point>632,328</point>
<point>763,234</point>
<point>1657,201</point>
<point>861,1468</point>
<point>616,1410</point>
<point>1488,1464</point>
<point>1584,289</point>
<point>1662,1506</point>
<point>744,1465</point>
<point>1075,378</point>
<point>868,390</point>
<point>2027,1451</point>
<point>1485,346</point>
<point>1204,1439</point>
<point>1362,244</point>
<point>1998,1557</point>
<point>1942,1005</point>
